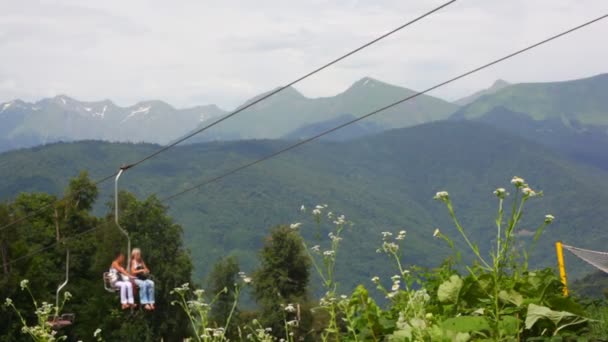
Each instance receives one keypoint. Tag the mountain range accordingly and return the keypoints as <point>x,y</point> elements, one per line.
<point>62,118</point>
<point>569,116</point>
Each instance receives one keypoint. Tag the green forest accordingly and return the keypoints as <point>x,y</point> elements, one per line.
<point>494,296</point>
<point>383,182</point>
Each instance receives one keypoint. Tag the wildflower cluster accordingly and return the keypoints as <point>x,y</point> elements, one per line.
<point>194,304</point>
<point>42,331</point>
<point>245,278</point>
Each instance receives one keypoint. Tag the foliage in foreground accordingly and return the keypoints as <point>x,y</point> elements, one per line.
<point>494,297</point>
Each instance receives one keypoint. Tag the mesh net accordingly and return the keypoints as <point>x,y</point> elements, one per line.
<point>598,259</point>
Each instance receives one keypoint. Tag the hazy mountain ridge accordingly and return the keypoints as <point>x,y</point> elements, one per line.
<point>570,117</point>
<point>289,111</point>
<point>496,86</point>
<point>570,108</point>
<point>62,118</point>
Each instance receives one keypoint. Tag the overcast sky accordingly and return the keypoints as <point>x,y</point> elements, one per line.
<point>189,52</point>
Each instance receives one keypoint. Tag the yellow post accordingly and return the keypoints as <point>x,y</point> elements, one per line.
<point>562,267</point>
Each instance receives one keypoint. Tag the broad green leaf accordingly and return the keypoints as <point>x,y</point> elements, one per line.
<point>466,324</point>
<point>559,318</point>
<point>448,291</point>
<point>511,296</point>
<point>508,326</point>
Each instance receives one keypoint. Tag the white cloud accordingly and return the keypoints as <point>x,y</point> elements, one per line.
<point>195,52</point>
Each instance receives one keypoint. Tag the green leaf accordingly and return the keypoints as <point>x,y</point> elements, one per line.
<point>508,326</point>
<point>511,296</point>
<point>466,324</point>
<point>559,318</point>
<point>449,290</point>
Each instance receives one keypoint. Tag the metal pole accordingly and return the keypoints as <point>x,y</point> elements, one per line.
<point>562,267</point>
<point>67,278</point>
<point>123,231</point>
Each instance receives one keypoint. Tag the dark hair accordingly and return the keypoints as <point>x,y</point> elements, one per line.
<point>118,254</point>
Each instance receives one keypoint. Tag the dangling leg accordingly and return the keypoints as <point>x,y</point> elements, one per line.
<point>129,287</point>
<point>143,293</point>
<point>123,294</point>
<point>151,293</point>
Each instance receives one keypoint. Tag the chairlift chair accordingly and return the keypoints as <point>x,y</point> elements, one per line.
<point>61,321</point>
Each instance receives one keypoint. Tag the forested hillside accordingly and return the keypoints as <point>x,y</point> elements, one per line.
<point>382,182</point>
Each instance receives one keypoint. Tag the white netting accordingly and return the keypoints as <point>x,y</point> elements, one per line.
<point>598,259</point>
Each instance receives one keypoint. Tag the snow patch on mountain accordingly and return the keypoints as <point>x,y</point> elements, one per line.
<point>141,111</point>
<point>102,113</point>
<point>5,106</point>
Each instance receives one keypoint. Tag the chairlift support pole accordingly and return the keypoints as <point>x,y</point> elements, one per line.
<point>123,231</point>
<point>562,266</point>
<point>67,278</point>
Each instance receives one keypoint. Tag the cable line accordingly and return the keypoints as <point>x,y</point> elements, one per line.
<point>44,207</point>
<point>484,66</point>
<point>292,83</point>
<point>331,130</point>
<point>266,96</point>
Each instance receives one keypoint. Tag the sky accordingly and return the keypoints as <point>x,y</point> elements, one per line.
<point>196,52</point>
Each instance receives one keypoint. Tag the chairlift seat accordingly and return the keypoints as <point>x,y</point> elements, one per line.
<point>107,283</point>
<point>62,321</point>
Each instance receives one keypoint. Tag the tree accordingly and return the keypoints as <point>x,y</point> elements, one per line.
<point>282,277</point>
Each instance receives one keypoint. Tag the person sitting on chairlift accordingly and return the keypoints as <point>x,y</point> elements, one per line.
<point>143,281</point>
<point>120,278</point>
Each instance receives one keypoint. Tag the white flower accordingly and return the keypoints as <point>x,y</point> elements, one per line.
<point>401,235</point>
<point>320,207</point>
<point>247,280</point>
<point>316,212</point>
<point>316,248</point>
<point>395,278</point>
<point>391,295</point>
<point>24,283</point>
<point>67,295</point>
<point>333,237</point>
<point>329,253</point>
<point>436,233</point>
<point>386,234</point>
<point>442,196</point>
<point>292,323</point>
<point>549,218</point>
<point>501,192</point>
<point>375,279</point>
<point>8,301</point>
<point>330,215</point>
<point>303,208</point>
<point>97,332</point>
<point>395,286</point>
<point>518,181</point>
<point>390,247</point>
<point>290,308</point>
<point>528,192</point>
<point>295,225</point>
<point>340,221</point>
